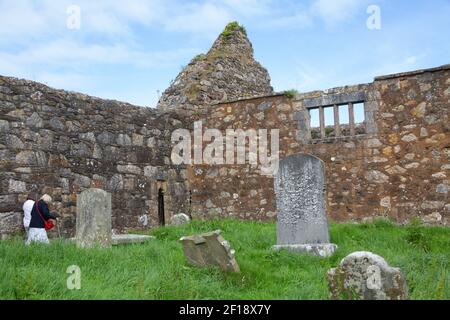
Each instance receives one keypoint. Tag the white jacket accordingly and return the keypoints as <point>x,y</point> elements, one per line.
<point>27,207</point>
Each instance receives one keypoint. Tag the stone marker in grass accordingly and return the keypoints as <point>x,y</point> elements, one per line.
<point>366,276</point>
<point>210,249</point>
<point>302,219</point>
<point>93,226</point>
<point>180,219</point>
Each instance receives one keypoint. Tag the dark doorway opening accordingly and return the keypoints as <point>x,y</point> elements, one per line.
<point>161,214</point>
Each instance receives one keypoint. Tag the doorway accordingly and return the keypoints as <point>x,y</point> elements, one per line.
<point>161,213</point>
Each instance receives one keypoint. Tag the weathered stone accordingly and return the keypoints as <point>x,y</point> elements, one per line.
<point>17,186</point>
<point>26,158</point>
<point>81,150</point>
<point>14,142</point>
<point>131,169</point>
<point>124,140</point>
<point>150,171</point>
<point>97,153</point>
<point>302,220</point>
<point>409,138</point>
<point>89,136</point>
<point>116,183</point>
<point>82,181</point>
<point>93,224</point>
<point>423,132</point>
<point>413,165</point>
<point>374,143</point>
<point>7,202</point>
<point>439,175</point>
<point>180,219</point>
<point>35,121</point>
<point>283,107</point>
<point>433,218</point>
<point>210,249</point>
<point>105,138</point>
<point>376,176</point>
<point>121,239</point>
<point>366,276</point>
<point>57,124</point>
<point>432,205</point>
<point>138,139</point>
<point>442,188</point>
<point>386,202</point>
<point>10,222</point>
<point>396,170</point>
<point>4,126</point>
<point>419,111</point>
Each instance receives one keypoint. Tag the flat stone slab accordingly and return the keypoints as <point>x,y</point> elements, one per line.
<point>322,250</point>
<point>119,239</point>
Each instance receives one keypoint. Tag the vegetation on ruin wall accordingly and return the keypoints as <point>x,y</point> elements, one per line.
<point>158,270</point>
<point>231,27</point>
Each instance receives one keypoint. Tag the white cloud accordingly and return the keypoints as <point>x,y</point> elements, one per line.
<point>206,18</point>
<point>250,8</point>
<point>336,11</point>
<point>299,20</point>
<point>67,53</point>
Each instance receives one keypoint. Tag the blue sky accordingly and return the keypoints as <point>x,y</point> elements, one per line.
<point>128,50</point>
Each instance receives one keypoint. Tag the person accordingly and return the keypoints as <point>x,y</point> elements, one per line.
<point>27,207</point>
<point>40,211</point>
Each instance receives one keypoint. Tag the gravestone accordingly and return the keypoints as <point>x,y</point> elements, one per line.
<point>93,226</point>
<point>210,249</point>
<point>180,219</point>
<point>300,194</point>
<point>366,276</point>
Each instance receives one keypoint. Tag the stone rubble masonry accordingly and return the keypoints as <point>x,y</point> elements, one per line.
<point>62,143</point>
<point>227,72</point>
<point>398,169</point>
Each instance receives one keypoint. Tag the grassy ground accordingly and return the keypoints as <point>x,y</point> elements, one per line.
<point>157,270</point>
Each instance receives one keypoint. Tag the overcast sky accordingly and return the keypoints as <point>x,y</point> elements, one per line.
<point>128,50</point>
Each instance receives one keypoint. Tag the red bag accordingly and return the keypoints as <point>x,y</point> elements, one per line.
<point>48,225</point>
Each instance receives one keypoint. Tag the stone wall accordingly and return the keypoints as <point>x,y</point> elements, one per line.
<point>397,167</point>
<point>61,143</point>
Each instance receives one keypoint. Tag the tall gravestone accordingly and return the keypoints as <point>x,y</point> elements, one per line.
<point>302,219</point>
<point>93,226</point>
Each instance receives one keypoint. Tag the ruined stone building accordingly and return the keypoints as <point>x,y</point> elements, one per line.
<point>393,163</point>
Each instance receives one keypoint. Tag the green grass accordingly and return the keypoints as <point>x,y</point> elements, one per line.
<point>158,270</point>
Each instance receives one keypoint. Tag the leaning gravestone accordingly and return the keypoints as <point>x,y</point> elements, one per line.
<point>366,276</point>
<point>93,226</point>
<point>210,249</point>
<point>302,219</point>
